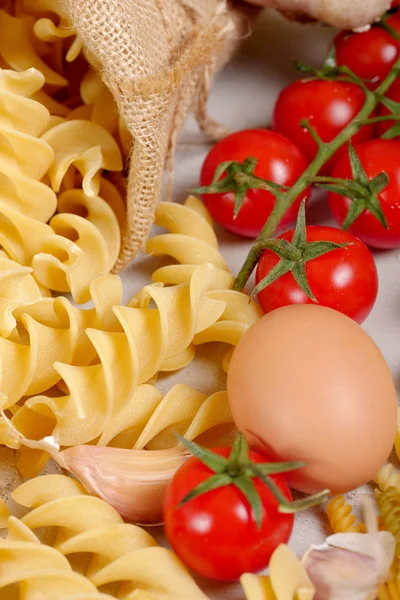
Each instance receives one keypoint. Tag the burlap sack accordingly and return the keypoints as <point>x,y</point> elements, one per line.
<point>158,58</point>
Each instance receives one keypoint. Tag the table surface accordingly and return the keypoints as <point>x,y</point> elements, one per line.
<point>243,97</point>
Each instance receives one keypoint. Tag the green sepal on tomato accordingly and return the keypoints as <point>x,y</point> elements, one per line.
<point>375,216</point>
<point>328,106</point>
<point>240,174</point>
<point>227,509</point>
<point>333,268</point>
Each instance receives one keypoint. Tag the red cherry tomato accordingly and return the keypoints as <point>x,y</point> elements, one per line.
<point>279,160</point>
<point>216,534</point>
<point>375,156</point>
<point>370,54</point>
<point>393,94</point>
<point>327,105</point>
<point>344,279</point>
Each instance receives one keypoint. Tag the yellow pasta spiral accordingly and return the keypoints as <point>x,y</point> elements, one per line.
<point>47,30</point>
<point>151,340</point>
<point>90,547</point>
<point>192,241</point>
<point>397,440</point>
<point>387,477</point>
<point>50,330</point>
<point>18,290</point>
<point>151,419</point>
<point>389,590</point>
<point>341,518</point>
<point>26,203</point>
<point>18,51</point>
<point>257,587</point>
<point>287,579</point>
<point>389,508</point>
<point>82,241</point>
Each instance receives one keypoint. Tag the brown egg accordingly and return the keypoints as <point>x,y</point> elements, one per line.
<point>308,384</point>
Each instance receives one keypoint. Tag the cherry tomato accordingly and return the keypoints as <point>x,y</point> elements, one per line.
<point>375,156</point>
<point>344,279</point>
<point>216,534</point>
<point>327,105</point>
<point>393,94</point>
<point>370,54</point>
<point>279,160</point>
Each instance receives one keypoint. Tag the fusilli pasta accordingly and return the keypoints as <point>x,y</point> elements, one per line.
<point>122,557</point>
<point>387,477</point>
<point>17,48</point>
<point>47,31</point>
<point>18,290</point>
<point>192,241</point>
<point>397,440</point>
<point>288,579</point>
<point>26,203</point>
<point>51,330</point>
<point>82,241</point>
<point>389,508</point>
<point>389,590</point>
<point>152,340</point>
<point>341,518</point>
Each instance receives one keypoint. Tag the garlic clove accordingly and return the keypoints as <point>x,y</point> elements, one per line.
<point>131,481</point>
<point>351,566</point>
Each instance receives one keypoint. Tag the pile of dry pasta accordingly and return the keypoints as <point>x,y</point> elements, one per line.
<point>85,377</point>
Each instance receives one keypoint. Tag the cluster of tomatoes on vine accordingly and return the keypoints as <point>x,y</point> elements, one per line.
<point>344,277</point>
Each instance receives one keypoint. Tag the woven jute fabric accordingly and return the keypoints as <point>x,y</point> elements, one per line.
<point>158,58</point>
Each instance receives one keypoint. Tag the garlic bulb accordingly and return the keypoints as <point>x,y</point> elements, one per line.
<point>339,13</point>
<point>131,481</point>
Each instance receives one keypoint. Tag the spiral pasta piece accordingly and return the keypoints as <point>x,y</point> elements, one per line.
<point>288,579</point>
<point>151,340</point>
<point>18,290</point>
<point>387,477</point>
<point>397,440</point>
<point>122,557</point>
<point>341,518</point>
<point>389,590</point>
<point>18,52</point>
<point>191,241</point>
<point>85,145</point>
<point>84,242</point>
<point>150,420</point>
<point>257,587</point>
<point>389,509</point>
<point>54,330</point>
<point>47,31</point>
<point>24,158</point>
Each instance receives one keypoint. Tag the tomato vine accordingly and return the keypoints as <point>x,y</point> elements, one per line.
<point>285,198</point>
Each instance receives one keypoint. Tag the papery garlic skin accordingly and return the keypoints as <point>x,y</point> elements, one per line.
<point>339,13</point>
<point>350,566</point>
<point>131,481</point>
<point>341,574</point>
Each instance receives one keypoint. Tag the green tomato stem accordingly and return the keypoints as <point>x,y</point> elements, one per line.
<point>284,200</point>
